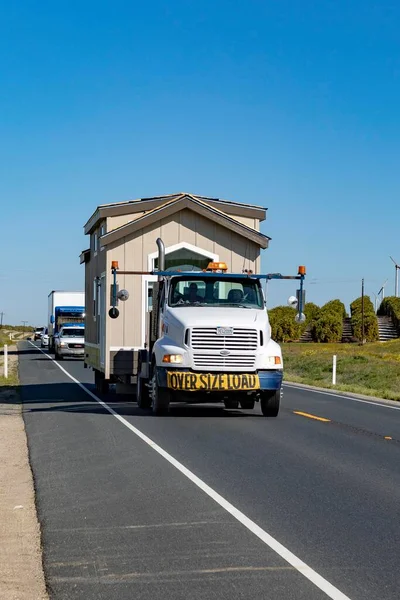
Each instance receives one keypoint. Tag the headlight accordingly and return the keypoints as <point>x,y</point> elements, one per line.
<point>63,344</point>
<point>173,358</point>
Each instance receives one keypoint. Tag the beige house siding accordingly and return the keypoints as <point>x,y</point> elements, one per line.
<point>119,221</point>
<point>132,254</point>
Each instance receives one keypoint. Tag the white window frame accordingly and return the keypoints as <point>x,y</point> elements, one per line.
<point>102,231</point>
<point>206,253</point>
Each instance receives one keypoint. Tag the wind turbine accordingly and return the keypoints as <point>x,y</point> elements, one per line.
<point>396,280</point>
<point>382,290</point>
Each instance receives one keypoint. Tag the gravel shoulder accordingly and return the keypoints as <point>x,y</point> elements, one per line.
<point>21,572</point>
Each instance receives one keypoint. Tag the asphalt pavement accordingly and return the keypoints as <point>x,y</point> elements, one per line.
<point>120,520</point>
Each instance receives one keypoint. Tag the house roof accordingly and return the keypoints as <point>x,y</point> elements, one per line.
<point>177,204</point>
<point>147,204</point>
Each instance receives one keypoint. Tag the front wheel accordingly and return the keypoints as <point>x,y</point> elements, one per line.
<point>270,402</point>
<point>160,397</point>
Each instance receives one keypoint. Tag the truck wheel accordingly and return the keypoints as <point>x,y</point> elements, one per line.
<point>231,403</point>
<point>160,397</point>
<point>270,401</point>
<point>142,394</point>
<point>247,403</point>
<point>100,382</point>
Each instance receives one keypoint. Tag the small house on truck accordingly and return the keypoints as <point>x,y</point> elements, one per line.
<point>195,231</point>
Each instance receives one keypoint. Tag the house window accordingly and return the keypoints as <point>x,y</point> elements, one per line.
<point>184,259</point>
<point>95,242</point>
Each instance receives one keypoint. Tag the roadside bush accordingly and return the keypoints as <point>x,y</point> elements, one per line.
<point>312,312</point>
<point>328,326</point>
<point>335,306</point>
<point>390,307</point>
<point>371,332</point>
<point>283,326</point>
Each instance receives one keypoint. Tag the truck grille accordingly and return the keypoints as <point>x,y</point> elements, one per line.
<point>207,339</point>
<point>76,345</point>
<point>216,362</point>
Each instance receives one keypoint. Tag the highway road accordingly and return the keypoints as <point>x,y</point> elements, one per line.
<point>208,503</point>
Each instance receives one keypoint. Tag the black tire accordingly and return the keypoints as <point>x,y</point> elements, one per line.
<point>160,397</point>
<point>100,382</point>
<point>270,402</point>
<point>142,394</point>
<point>231,403</point>
<point>247,403</point>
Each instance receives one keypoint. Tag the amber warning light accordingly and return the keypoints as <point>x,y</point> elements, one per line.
<point>302,270</point>
<point>217,266</point>
<point>114,264</point>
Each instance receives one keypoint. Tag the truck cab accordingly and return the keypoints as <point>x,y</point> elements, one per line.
<point>210,341</point>
<point>70,341</point>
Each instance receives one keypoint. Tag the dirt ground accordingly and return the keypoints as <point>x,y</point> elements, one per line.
<point>21,572</point>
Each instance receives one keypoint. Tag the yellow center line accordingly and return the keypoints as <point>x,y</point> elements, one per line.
<point>303,414</point>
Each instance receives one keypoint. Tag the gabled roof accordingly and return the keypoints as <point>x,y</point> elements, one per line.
<point>147,204</point>
<point>177,204</point>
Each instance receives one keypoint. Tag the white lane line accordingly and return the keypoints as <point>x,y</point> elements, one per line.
<point>295,387</point>
<point>330,590</point>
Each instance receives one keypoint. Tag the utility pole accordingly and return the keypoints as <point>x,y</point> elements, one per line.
<point>1,321</point>
<point>24,323</point>
<point>362,311</point>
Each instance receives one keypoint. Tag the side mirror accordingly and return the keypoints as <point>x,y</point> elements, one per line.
<point>300,318</point>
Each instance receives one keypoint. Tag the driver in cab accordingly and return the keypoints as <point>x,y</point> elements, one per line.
<point>192,295</point>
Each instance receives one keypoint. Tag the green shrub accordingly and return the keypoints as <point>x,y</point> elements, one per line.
<point>390,307</point>
<point>312,312</point>
<point>328,324</point>
<point>327,328</point>
<point>283,326</point>
<point>371,332</point>
<point>335,306</point>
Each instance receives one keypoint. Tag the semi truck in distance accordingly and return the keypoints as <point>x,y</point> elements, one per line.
<point>64,307</point>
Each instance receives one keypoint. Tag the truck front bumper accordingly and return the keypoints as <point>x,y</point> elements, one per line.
<point>187,380</point>
<point>78,352</point>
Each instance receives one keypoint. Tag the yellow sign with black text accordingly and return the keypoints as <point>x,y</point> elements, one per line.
<point>207,382</point>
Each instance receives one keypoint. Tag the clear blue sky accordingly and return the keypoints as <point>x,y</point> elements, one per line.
<point>292,105</point>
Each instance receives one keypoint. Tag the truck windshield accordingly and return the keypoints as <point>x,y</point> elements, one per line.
<point>214,291</point>
<point>73,332</point>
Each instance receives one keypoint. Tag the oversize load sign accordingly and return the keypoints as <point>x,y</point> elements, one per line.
<point>180,380</point>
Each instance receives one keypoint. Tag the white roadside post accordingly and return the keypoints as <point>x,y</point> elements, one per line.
<point>5,361</point>
<point>334,370</point>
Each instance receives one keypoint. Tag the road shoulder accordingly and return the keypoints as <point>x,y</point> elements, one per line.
<point>341,393</point>
<point>21,571</point>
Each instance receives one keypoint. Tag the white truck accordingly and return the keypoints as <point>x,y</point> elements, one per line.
<point>70,341</point>
<point>209,339</point>
<point>64,307</point>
